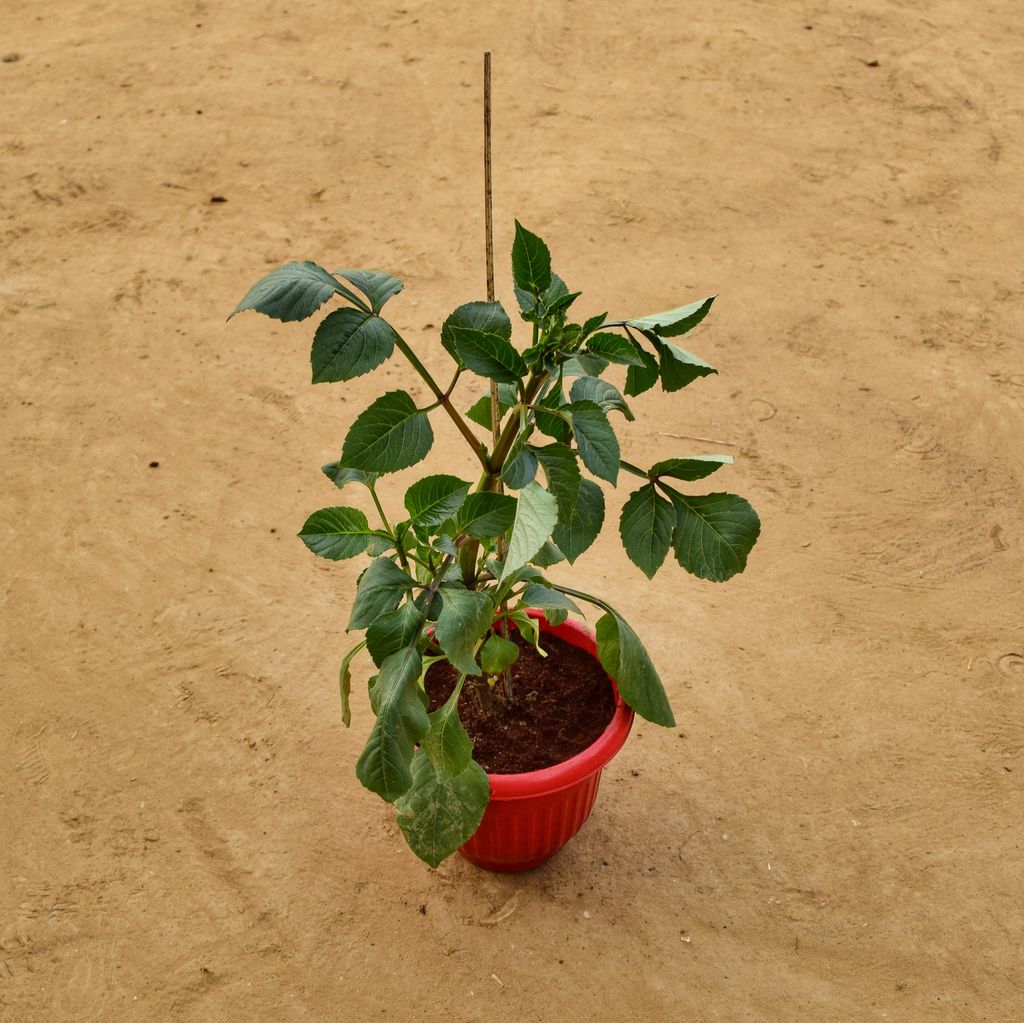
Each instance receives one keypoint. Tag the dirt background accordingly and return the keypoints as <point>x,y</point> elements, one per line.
<point>834,831</point>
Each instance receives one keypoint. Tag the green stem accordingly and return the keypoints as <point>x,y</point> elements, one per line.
<point>635,470</point>
<point>387,526</point>
<point>444,400</point>
<point>490,479</point>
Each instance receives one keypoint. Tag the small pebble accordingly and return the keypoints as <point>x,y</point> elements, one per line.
<point>11,58</point>
<point>154,465</point>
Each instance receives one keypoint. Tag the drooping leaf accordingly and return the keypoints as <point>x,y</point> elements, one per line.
<point>465,617</point>
<point>376,285</point>
<point>554,424</point>
<point>441,812</point>
<point>345,682</point>
<point>596,440</point>
<point>602,393</point>
<point>584,364</point>
<point>529,628</point>
<point>391,434</point>
<point>614,348</point>
<point>380,589</point>
<point>576,532</point>
<point>563,476</point>
<point>447,743</point>
<point>555,604</point>
<point>390,632</point>
<point>536,516</point>
<point>433,499</point>
<point>644,377</point>
<point>548,555</point>
<point>341,476</point>
<point>624,658</point>
<point>497,654</point>
<point>531,261</point>
<point>674,322</point>
<point>487,515</point>
<point>696,467</point>
<point>713,534</point>
<point>293,292</point>
<point>383,766</point>
<point>520,468</point>
<point>678,367</point>
<point>336,533</point>
<point>349,343</point>
<point>646,528</point>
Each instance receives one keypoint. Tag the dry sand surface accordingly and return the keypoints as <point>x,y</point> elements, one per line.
<point>833,833</point>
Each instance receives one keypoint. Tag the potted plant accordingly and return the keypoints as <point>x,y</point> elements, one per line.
<point>456,603</point>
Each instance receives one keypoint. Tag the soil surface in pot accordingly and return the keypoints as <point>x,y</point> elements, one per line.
<point>560,705</point>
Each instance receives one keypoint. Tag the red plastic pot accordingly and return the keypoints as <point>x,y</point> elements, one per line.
<point>532,815</point>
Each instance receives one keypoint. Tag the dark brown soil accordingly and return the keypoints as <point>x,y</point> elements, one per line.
<point>560,704</point>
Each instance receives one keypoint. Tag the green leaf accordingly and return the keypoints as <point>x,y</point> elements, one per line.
<point>529,628</point>
<point>674,322</point>
<point>549,600</point>
<point>563,476</point>
<point>433,499</point>
<point>713,534</point>
<point>340,476</point>
<point>602,393</point>
<point>487,515</point>
<point>497,654</point>
<point>293,292</point>
<point>393,630</point>
<point>336,533</point>
<point>596,440</point>
<point>615,348</point>
<point>554,424</point>
<point>345,683</point>
<point>488,354</point>
<point>441,812</point>
<point>383,766</point>
<point>349,343</point>
<point>536,516</point>
<point>520,467</point>
<point>642,378</point>
<point>548,555</point>
<point>531,261</point>
<point>584,364</point>
<point>390,435</point>
<point>465,617</point>
<point>560,300</point>
<point>593,323</point>
<point>376,285</point>
<point>646,528</point>
<point>576,532</point>
<point>447,743</point>
<point>696,467</point>
<point>678,367</point>
<point>480,413</point>
<point>380,589</point>
<point>624,658</point>
<point>476,318</point>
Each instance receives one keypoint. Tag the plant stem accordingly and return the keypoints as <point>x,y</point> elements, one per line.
<point>490,480</point>
<point>635,470</point>
<point>444,400</point>
<point>387,526</point>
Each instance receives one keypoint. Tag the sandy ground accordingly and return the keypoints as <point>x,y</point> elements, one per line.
<point>834,831</point>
